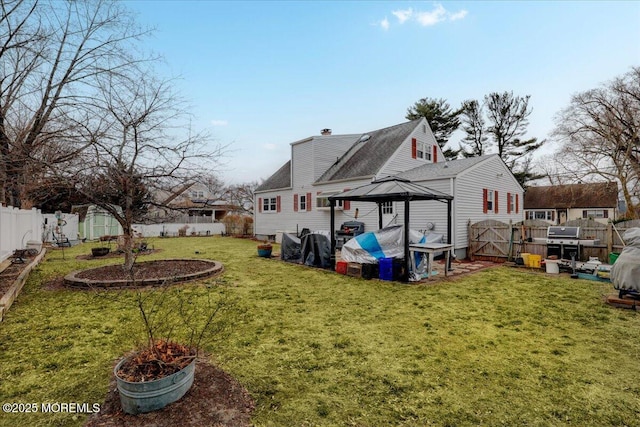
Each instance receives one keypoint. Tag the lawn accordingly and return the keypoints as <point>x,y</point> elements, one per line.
<point>499,347</point>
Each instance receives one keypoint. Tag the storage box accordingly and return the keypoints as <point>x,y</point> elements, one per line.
<point>341,267</point>
<point>385,266</point>
<point>369,271</point>
<point>354,269</point>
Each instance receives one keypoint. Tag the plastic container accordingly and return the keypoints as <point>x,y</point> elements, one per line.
<point>525,258</point>
<point>551,266</point>
<point>385,268</point>
<point>535,261</point>
<point>341,267</point>
<point>613,256</point>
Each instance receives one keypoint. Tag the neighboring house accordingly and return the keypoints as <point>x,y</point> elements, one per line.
<point>192,203</point>
<point>558,204</point>
<point>295,197</point>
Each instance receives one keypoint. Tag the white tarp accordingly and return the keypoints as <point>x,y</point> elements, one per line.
<point>625,273</point>
<point>369,247</point>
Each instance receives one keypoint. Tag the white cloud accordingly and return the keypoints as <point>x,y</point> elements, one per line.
<point>269,147</point>
<point>426,19</point>
<point>458,15</point>
<point>403,15</point>
<point>219,122</point>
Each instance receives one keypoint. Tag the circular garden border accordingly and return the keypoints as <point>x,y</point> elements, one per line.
<point>73,280</point>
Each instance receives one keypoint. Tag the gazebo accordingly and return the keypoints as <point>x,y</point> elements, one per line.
<point>384,190</point>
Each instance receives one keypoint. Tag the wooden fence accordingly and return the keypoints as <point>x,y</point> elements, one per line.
<point>499,241</point>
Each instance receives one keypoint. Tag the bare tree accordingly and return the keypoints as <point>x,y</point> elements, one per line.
<point>51,56</point>
<point>137,149</point>
<point>241,196</point>
<point>600,135</point>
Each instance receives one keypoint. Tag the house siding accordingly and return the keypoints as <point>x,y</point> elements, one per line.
<point>302,164</point>
<point>289,220</point>
<point>468,196</point>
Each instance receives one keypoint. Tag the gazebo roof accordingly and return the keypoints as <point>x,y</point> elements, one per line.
<point>391,189</point>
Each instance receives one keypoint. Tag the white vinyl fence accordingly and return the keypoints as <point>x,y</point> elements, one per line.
<point>174,229</point>
<point>18,228</point>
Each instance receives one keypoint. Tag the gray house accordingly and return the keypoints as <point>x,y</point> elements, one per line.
<point>295,196</point>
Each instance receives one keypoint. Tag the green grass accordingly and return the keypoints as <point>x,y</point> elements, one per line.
<point>499,347</point>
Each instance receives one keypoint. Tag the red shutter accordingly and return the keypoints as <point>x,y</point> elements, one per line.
<point>414,148</point>
<point>495,202</point>
<point>517,204</point>
<point>295,203</point>
<point>259,204</point>
<point>435,154</point>
<point>346,205</point>
<point>584,214</point>
<point>553,216</point>
<point>278,203</point>
<point>308,201</point>
<point>485,195</point>
<point>606,213</point>
<point>508,203</point>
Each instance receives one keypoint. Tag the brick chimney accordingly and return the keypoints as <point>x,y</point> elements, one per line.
<point>325,132</point>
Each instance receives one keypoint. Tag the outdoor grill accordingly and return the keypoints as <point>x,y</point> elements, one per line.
<point>565,242</point>
<point>348,230</point>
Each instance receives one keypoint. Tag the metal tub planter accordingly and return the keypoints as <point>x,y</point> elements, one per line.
<point>147,396</point>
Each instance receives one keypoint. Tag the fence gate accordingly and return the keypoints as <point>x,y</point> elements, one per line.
<point>490,239</point>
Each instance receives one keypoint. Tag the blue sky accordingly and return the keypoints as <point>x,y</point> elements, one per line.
<point>263,74</point>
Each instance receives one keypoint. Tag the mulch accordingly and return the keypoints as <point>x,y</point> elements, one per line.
<point>215,399</point>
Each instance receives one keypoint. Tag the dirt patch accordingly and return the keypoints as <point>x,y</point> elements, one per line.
<point>215,399</point>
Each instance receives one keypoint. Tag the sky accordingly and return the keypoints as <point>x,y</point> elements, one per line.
<point>260,75</point>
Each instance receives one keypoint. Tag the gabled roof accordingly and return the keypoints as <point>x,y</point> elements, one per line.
<point>280,179</point>
<point>448,169</point>
<point>370,152</point>
<point>593,195</point>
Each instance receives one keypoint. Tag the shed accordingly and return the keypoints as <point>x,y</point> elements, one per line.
<point>390,189</point>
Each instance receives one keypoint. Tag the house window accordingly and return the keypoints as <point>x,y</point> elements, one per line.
<point>197,194</point>
<point>595,213</point>
<point>489,201</point>
<point>303,202</point>
<point>512,203</point>
<point>269,204</point>
<point>322,200</point>
<point>541,215</point>
<point>387,208</point>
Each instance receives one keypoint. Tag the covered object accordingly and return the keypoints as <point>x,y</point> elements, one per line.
<point>625,273</point>
<point>391,189</point>
<point>290,248</point>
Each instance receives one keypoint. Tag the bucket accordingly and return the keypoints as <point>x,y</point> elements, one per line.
<point>341,267</point>
<point>535,261</point>
<point>552,266</point>
<point>613,256</point>
<point>525,258</point>
<point>140,397</point>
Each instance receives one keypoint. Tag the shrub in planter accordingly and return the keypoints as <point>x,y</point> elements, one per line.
<point>162,370</point>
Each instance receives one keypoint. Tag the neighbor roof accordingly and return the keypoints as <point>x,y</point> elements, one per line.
<point>592,195</point>
<point>367,156</point>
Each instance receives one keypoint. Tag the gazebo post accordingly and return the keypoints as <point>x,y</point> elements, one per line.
<point>379,215</point>
<point>332,257</point>
<point>406,240</point>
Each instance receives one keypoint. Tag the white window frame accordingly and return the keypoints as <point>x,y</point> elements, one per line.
<point>387,208</point>
<point>322,201</point>
<point>490,198</point>
<point>302,205</point>
<point>270,204</point>
<point>542,215</point>
<point>594,213</point>
<point>512,203</point>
